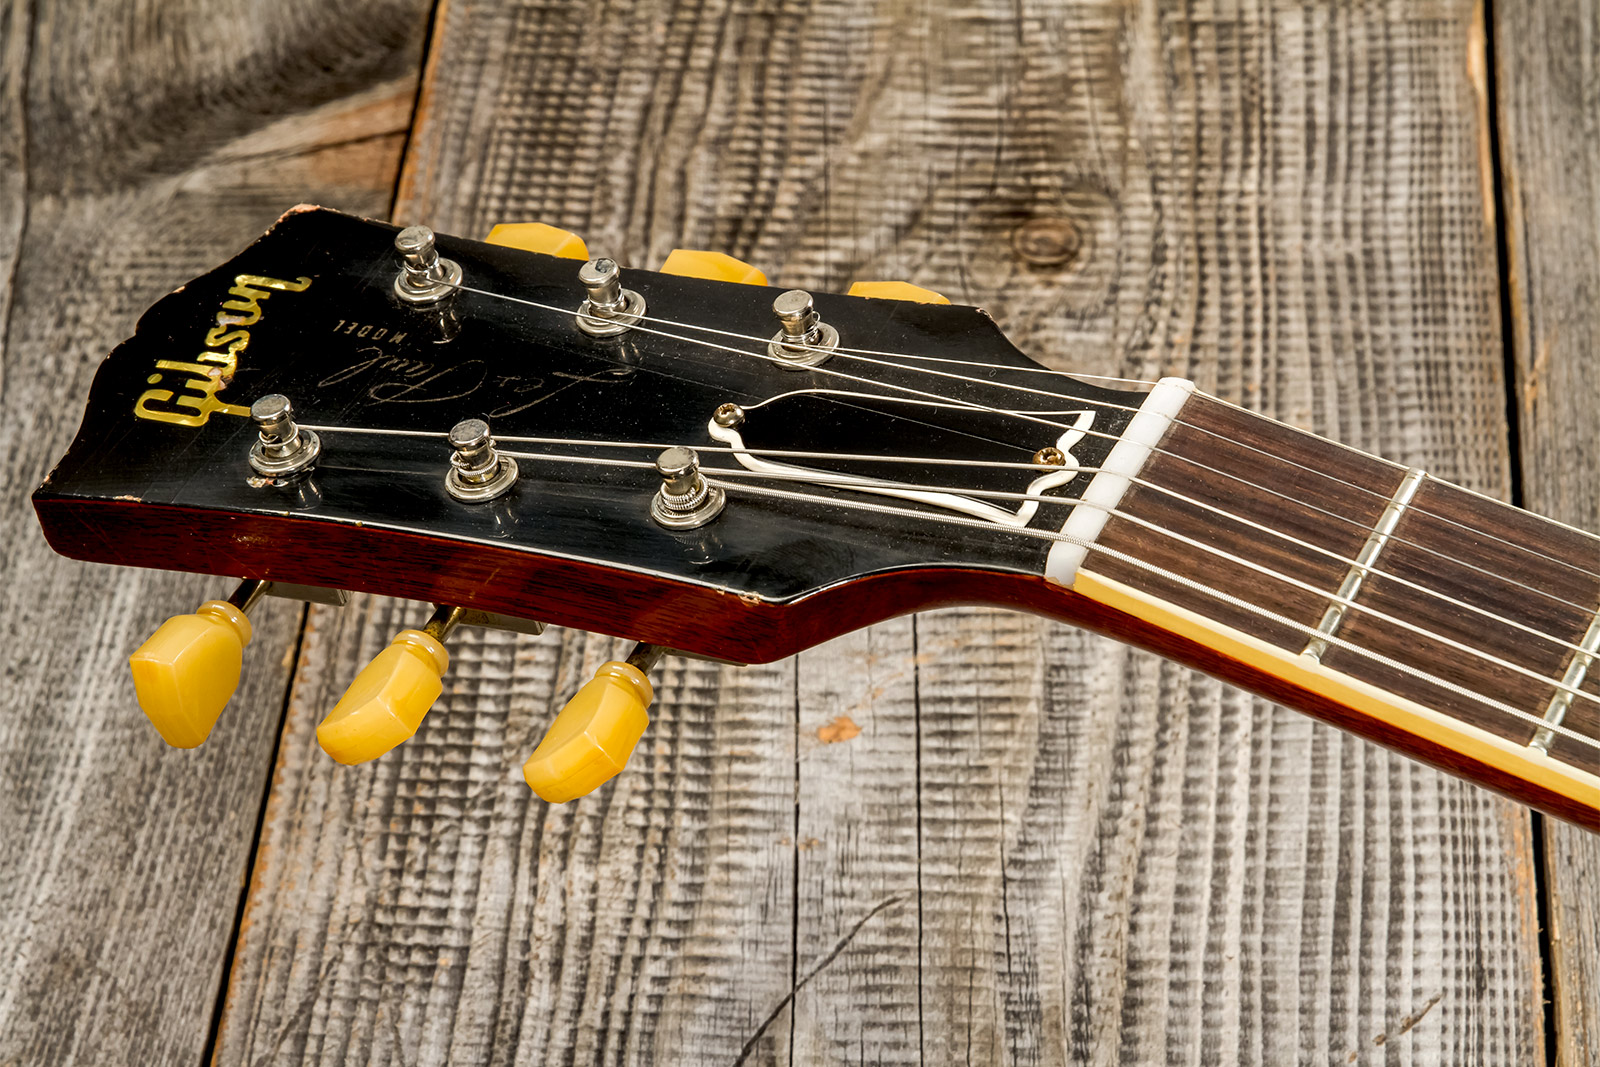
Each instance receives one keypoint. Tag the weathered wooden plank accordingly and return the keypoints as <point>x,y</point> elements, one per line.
<point>426,907</point>
<point>1547,84</point>
<point>1040,847</point>
<point>133,156</point>
<point>1118,860</point>
<point>859,902</point>
<point>16,39</point>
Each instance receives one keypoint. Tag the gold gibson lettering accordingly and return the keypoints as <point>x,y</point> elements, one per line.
<point>196,396</point>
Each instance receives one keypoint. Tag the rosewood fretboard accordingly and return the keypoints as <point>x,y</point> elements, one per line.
<point>1491,608</point>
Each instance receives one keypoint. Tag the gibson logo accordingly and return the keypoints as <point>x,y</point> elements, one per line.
<point>196,395</point>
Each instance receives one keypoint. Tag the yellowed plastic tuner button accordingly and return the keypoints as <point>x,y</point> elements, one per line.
<point>538,237</point>
<point>185,674</point>
<point>897,291</point>
<point>593,736</point>
<point>712,266</point>
<point>388,699</point>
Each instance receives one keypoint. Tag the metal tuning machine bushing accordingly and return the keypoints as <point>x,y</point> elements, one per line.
<point>684,501</point>
<point>803,339</point>
<point>478,472</point>
<point>425,278</point>
<point>281,449</point>
<point>610,309</point>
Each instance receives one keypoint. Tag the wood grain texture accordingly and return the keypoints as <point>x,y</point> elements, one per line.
<point>134,152</point>
<point>1040,847</point>
<point>423,908</point>
<point>1548,83</point>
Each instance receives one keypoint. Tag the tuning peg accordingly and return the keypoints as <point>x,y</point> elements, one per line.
<point>803,339</point>
<point>712,266</point>
<point>594,734</point>
<point>425,277</point>
<point>537,237</point>
<point>610,309</point>
<point>897,291</point>
<point>282,449</point>
<point>388,699</point>
<point>185,674</point>
<point>478,472</point>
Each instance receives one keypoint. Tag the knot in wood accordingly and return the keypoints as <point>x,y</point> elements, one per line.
<point>1046,241</point>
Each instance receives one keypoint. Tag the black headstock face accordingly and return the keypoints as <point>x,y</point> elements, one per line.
<point>309,311</point>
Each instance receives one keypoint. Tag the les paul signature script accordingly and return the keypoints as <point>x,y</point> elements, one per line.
<point>396,379</point>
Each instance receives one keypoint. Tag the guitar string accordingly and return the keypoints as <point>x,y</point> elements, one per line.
<point>852,354</point>
<point>841,349</point>
<point>1364,527</point>
<point>860,354</point>
<point>833,372</point>
<point>1202,546</point>
<point>1200,587</point>
<point>1050,535</point>
<point>1054,536</point>
<point>1587,610</point>
<point>849,353</point>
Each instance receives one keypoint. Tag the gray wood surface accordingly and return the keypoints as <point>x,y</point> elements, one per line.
<point>963,836</point>
<point>135,154</point>
<point>1548,86</point>
<point>1040,847</point>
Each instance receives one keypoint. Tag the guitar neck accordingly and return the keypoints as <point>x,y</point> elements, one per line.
<point>1429,618</point>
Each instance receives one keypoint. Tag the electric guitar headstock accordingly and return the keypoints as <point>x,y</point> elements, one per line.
<point>521,435</point>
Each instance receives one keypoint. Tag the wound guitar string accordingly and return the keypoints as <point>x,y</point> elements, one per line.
<point>986,494</point>
<point>860,353</point>
<point>996,494</point>
<point>863,354</point>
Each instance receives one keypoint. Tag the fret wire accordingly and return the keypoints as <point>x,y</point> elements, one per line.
<point>1562,700</point>
<point>1361,566</point>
